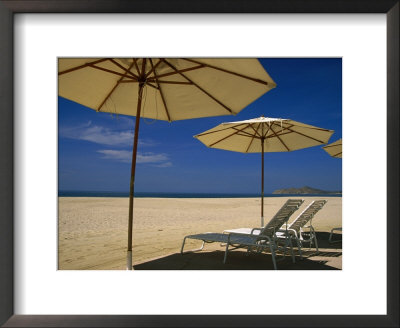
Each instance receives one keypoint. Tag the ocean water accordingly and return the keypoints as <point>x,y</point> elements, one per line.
<point>180,195</point>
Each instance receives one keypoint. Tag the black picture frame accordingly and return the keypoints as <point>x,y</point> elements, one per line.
<point>10,7</point>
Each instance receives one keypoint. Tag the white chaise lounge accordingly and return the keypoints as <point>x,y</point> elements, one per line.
<point>297,227</point>
<point>264,239</point>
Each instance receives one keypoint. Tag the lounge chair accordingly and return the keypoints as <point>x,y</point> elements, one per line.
<point>296,228</point>
<point>263,240</point>
<point>331,235</point>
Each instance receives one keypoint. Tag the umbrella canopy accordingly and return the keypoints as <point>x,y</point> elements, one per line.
<point>174,88</point>
<point>161,88</point>
<point>334,149</point>
<point>264,134</point>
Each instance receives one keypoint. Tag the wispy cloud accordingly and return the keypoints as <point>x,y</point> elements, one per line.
<point>160,160</point>
<point>151,158</point>
<point>117,155</point>
<point>125,122</point>
<point>166,164</point>
<point>102,135</point>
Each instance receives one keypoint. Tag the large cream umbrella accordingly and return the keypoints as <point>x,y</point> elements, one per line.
<point>264,134</point>
<point>334,149</point>
<point>161,88</point>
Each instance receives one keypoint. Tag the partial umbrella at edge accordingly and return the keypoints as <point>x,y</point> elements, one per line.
<point>334,149</point>
<point>264,134</point>
<point>166,89</point>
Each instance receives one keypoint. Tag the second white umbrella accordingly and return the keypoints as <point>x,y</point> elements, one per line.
<point>264,134</point>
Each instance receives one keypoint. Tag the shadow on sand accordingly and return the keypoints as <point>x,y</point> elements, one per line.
<point>237,260</point>
<point>323,241</point>
<point>240,260</point>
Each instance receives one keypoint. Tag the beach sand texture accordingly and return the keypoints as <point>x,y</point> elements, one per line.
<point>93,230</point>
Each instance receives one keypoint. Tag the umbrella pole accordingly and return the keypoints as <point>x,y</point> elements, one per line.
<point>262,182</point>
<point>132,183</point>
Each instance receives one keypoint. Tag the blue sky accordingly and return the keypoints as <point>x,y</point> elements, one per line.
<point>95,149</point>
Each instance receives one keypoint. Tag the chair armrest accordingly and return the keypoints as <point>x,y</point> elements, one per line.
<point>247,234</point>
<point>310,227</point>
<point>235,234</point>
<point>291,231</point>
<point>255,229</point>
<point>241,234</point>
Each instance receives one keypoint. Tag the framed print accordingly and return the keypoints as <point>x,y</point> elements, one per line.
<point>42,285</point>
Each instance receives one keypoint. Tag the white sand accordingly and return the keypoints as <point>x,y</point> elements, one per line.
<point>93,231</point>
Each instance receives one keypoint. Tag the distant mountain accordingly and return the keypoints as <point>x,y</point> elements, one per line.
<point>304,190</point>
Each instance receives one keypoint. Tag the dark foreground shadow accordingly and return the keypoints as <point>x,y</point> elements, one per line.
<point>237,260</point>
<point>323,240</point>
<point>328,258</point>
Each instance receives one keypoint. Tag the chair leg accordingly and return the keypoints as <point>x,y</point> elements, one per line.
<point>278,247</point>
<point>316,243</point>
<point>271,247</point>
<point>291,249</point>
<point>194,250</point>
<point>331,235</point>
<point>299,248</point>
<point>183,245</point>
<point>226,252</point>
<point>300,242</point>
<point>202,246</point>
<point>248,251</point>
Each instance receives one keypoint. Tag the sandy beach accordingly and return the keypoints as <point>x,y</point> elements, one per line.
<point>93,230</point>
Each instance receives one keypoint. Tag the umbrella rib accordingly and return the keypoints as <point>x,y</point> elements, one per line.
<point>251,141</point>
<point>136,65</point>
<point>265,135</point>
<point>143,67</point>
<point>208,132</point>
<point>290,125</point>
<point>282,128</point>
<point>152,85</point>
<point>200,88</point>
<point>251,125</point>
<point>230,135</point>
<point>161,92</point>
<point>304,135</point>
<point>309,127</point>
<point>82,66</point>
<point>181,71</point>
<point>331,145</point>
<point>340,153</point>
<point>280,134</point>
<point>113,89</point>
<point>134,81</point>
<point>279,137</point>
<point>108,71</point>
<point>245,134</point>
<point>124,68</point>
<point>153,67</point>
<point>229,72</point>
<point>174,82</point>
